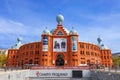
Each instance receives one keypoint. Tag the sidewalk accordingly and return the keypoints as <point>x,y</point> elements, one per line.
<point>107,70</point>
<point>2,71</point>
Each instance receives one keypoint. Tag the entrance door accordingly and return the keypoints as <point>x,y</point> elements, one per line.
<point>59,60</point>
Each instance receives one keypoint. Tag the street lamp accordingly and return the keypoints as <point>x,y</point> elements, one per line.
<point>109,73</point>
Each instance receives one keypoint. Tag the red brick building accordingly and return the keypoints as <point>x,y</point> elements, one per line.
<point>59,47</point>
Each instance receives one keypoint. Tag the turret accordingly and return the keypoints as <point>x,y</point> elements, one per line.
<point>18,44</point>
<point>101,44</point>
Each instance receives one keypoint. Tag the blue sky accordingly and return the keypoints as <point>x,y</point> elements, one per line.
<point>28,18</point>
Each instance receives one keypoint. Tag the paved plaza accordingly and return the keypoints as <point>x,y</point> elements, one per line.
<point>96,74</point>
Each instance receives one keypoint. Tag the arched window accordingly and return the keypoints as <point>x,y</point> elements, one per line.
<point>59,33</point>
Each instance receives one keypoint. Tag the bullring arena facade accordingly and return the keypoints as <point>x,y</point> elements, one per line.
<point>59,47</point>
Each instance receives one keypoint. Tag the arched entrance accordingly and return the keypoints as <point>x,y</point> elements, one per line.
<point>59,60</point>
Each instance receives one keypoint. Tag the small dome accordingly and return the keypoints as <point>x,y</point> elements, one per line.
<point>60,18</point>
<point>99,40</point>
<point>52,31</point>
<point>19,39</point>
<point>18,44</point>
<point>46,31</point>
<point>73,31</point>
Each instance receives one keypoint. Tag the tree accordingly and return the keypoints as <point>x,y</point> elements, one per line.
<point>116,61</point>
<point>3,59</point>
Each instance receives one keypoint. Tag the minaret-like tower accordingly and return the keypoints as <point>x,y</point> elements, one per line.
<point>74,47</point>
<point>45,56</point>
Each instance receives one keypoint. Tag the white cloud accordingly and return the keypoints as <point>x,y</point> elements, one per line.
<point>10,30</point>
<point>14,27</point>
<point>108,26</point>
<point>9,26</point>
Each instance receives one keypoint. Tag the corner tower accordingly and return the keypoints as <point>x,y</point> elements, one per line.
<point>46,45</point>
<point>74,61</point>
<point>106,55</point>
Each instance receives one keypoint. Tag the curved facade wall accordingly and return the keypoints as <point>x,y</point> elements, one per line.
<point>59,49</point>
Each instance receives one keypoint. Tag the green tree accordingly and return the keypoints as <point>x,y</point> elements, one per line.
<point>3,59</point>
<point>116,61</point>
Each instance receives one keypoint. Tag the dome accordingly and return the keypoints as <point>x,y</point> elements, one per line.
<point>18,44</point>
<point>52,31</point>
<point>60,18</point>
<point>73,31</point>
<point>100,44</point>
<point>46,31</point>
<point>99,40</point>
<point>19,39</point>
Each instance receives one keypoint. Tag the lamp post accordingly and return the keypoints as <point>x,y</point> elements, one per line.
<point>116,66</point>
<point>109,73</point>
